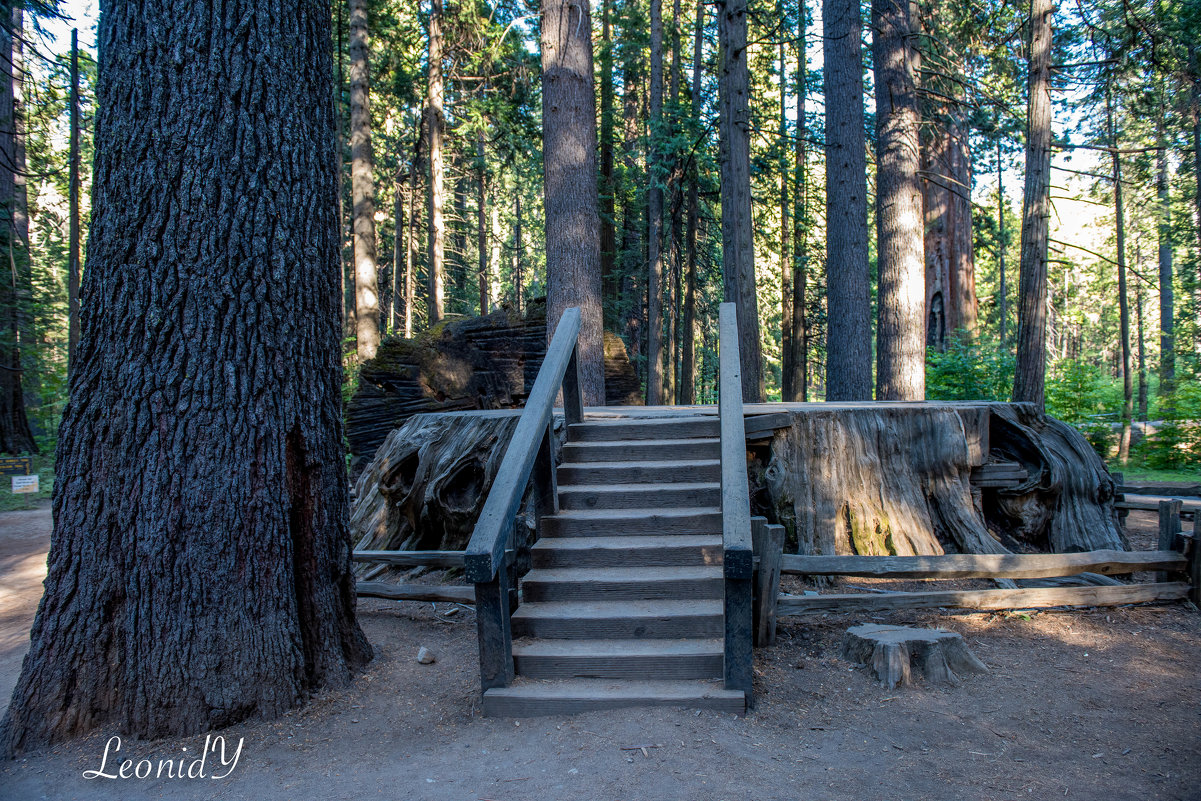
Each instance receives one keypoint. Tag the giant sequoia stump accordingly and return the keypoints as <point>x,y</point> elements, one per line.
<point>487,362</point>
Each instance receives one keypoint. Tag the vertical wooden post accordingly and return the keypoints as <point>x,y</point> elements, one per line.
<point>1119,480</point>
<point>1194,563</point>
<point>573,400</point>
<point>496,636</point>
<point>1169,527</point>
<point>739,653</point>
<point>768,544</point>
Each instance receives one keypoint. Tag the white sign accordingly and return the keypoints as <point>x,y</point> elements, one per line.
<point>25,484</point>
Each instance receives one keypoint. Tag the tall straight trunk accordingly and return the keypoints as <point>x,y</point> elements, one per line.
<point>608,232</point>
<point>399,245</point>
<point>1142,358</point>
<point>1031,372</point>
<point>345,267</point>
<point>1195,66</point>
<point>15,434</point>
<point>73,252</point>
<point>517,254</point>
<point>900,330</point>
<point>1167,330</point>
<point>481,222</point>
<point>950,295</point>
<point>458,238</point>
<point>1001,245</point>
<point>654,218</point>
<point>436,304</point>
<point>674,227</point>
<point>411,235</point>
<point>21,254</point>
<point>632,247</point>
<point>362,188</point>
<point>737,224</point>
<point>208,579</point>
<point>799,381</point>
<point>688,337</point>
<point>573,274</point>
<point>786,294</point>
<point>1123,295</point>
<point>849,332</point>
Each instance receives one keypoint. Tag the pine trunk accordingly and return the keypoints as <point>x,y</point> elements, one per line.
<point>848,337</point>
<point>362,188</point>
<point>1142,360</point>
<point>1167,331</point>
<point>654,216</point>
<point>799,382</point>
<point>481,223</point>
<point>569,163</point>
<point>737,224</point>
<point>436,300</point>
<point>949,259</point>
<point>900,332</point>
<point>1002,291</point>
<point>786,293</point>
<point>688,340</point>
<point>199,572</point>
<point>608,232</point>
<point>73,251</point>
<point>1123,295</point>
<point>1031,373</point>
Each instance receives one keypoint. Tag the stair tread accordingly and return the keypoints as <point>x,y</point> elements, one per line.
<point>620,609</point>
<point>638,513</point>
<point>617,574</point>
<point>638,443</point>
<point>627,487</point>
<point>643,464</point>
<point>628,542</point>
<point>681,690</point>
<point>618,648</point>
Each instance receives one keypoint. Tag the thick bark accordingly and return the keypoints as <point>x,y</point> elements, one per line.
<point>1030,377</point>
<point>73,205</point>
<point>654,218</point>
<point>950,262</point>
<point>799,381</point>
<point>688,340</point>
<point>1167,331</point>
<point>608,232</point>
<point>737,224</point>
<point>1123,295</point>
<point>15,434</point>
<point>362,188</point>
<point>569,166</point>
<point>900,330</point>
<point>436,290</point>
<point>848,337</point>
<point>199,572</point>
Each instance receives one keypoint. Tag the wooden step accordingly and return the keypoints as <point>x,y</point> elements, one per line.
<point>532,697</point>
<point>673,471</point>
<point>619,659</point>
<point>640,496</point>
<point>622,583</point>
<point>639,450</point>
<point>698,426</point>
<point>632,522</point>
<point>620,619</point>
<point>679,550</point>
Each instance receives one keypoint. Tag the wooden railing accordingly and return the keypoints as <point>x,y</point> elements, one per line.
<point>737,555</point>
<point>488,560</point>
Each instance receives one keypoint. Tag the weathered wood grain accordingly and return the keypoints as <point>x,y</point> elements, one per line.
<point>411,558</point>
<point>1025,598</point>
<point>960,566</point>
<point>415,592</point>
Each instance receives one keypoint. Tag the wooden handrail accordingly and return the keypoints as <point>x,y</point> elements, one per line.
<point>489,539</point>
<point>529,454</point>
<point>737,555</point>
<point>984,565</point>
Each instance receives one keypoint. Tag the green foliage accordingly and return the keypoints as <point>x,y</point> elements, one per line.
<point>43,466</point>
<point>969,370</point>
<point>1176,443</point>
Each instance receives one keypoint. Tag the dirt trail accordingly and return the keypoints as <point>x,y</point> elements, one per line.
<point>1087,705</point>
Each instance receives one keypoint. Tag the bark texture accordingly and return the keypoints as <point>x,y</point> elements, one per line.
<point>950,259</point>
<point>654,218</point>
<point>849,346</point>
<point>362,188</point>
<point>199,572</point>
<point>737,224</point>
<point>1031,373</point>
<point>1167,326</point>
<point>436,280</point>
<point>573,272</point>
<point>900,330</point>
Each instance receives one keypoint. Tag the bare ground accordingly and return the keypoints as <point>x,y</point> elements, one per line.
<point>1090,704</point>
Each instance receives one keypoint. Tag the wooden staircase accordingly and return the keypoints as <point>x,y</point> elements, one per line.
<point>624,605</point>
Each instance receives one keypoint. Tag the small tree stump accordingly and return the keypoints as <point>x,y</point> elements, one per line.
<point>893,652</point>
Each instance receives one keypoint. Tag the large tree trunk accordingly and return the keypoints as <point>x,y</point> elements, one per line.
<point>199,572</point>
<point>950,263</point>
<point>688,342</point>
<point>436,300</point>
<point>362,189</point>
<point>608,232</point>
<point>654,216</point>
<point>569,164</point>
<point>411,231</point>
<point>900,332</point>
<point>73,242</point>
<point>1031,373</point>
<point>15,434</point>
<point>737,224</point>
<point>1167,332</point>
<point>787,352</point>
<point>799,381</point>
<point>848,336</point>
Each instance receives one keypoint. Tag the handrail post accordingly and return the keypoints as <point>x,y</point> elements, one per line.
<point>495,631</point>
<point>735,512</point>
<point>573,399</point>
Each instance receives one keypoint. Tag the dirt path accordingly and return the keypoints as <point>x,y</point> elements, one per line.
<point>1087,705</point>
